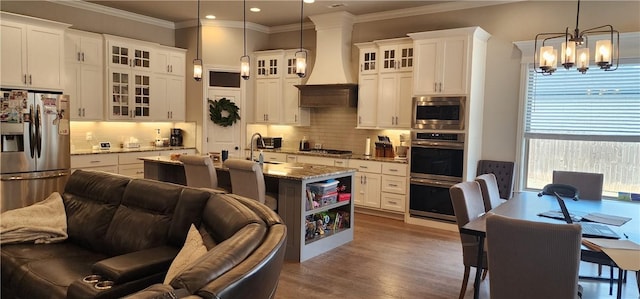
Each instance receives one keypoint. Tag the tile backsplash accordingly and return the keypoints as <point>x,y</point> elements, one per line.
<point>332,128</point>
<point>119,132</point>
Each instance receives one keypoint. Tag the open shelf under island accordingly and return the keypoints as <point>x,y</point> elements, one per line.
<point>306,237</point>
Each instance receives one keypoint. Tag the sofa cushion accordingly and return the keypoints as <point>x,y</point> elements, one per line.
<point>192,250</point>
<point>188,211</point>
<point>91,198</point>
<point>144,216</point>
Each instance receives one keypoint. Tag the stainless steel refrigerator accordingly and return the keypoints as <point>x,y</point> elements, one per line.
<point>35,157</point>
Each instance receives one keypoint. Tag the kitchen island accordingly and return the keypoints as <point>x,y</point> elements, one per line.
<point>303,217</point>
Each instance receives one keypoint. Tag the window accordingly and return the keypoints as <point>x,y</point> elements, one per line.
<point>584,122</point>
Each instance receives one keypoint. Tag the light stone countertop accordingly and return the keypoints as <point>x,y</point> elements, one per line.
<point>292,171</point>
<point>116,150</point>
<point>337,156</point>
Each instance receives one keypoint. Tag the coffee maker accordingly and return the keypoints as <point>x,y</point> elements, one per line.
<point>176,137</point>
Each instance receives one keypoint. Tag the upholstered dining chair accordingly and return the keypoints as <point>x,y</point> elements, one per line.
<point>466,198</point>
<point>503,170</point>
<point>589,187</point>
<point>199,171</point>
<point>588,184</point>
<point>490,192</point>
<point>531,259</point>
<point>247,180</point>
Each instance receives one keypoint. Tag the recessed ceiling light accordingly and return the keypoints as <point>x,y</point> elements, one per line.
<point>210,17</point>
<point>309,1</point>
<point>254,9</point>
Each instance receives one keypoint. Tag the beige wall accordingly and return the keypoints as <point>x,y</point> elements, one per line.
<point>507,23</point>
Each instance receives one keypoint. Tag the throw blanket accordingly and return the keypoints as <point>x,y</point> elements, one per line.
<point>42,222</point>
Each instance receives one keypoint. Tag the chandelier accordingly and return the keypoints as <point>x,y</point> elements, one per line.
<point>575,49</point>
<point>245,60</point>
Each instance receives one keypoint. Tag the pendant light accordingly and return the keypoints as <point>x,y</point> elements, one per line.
<point>245,60</point>
<point>197,63</point>
<point>575,49</point>
<point>301,55</point>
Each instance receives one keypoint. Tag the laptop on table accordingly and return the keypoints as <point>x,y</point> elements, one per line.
<point>589,230</point>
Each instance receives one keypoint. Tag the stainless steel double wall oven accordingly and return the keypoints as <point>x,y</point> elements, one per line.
<point>437,155</point>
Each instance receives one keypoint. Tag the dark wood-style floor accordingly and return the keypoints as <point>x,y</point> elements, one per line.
<point>392,259</point>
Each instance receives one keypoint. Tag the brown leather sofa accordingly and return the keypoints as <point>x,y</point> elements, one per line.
<point>128,231</point>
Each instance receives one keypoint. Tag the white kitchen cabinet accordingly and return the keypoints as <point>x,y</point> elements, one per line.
<point>292,113</point>
<point>395,54</point>
<point>368,60</point>
<point>98,162</point>
<point>292,159</point>
<point>395,91</point>
<point>367,182</point>
<point>83,47</point>
<point>394,187</point>
<point>268,100</point>
<point>367,189</point>
<point>273,157</point>
<point>385,84</point>
<point>170,61</point>
<point>168,98</point>
<point>393,202</point>
<point>368,86</point>
<point>269,64</point>
<point>124,52</point>
<point>130,165</point>
<point>368,101</point>
<point>129,94</point>
<point>441,66</point>
<point>84,85</point>
<point>84,75</point>
<point>32,53</point>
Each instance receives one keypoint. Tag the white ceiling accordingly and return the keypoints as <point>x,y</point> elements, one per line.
<point>274,13</point>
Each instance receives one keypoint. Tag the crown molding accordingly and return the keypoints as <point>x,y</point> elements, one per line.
<point>427,9</point>
<point>115,12</point>
<point>392,14</point>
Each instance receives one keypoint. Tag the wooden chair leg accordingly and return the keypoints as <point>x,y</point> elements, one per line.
<point>465,280</point>
<point>484,273</point>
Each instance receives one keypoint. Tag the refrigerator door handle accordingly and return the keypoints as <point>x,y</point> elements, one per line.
<point>32,141</point>
<point>38,130</point>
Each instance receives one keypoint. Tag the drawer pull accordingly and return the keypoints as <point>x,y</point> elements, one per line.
<point>364,167</point>
<point>393,202</point>
<point>393,169</point>
<point>393,185</point>
<point>95,161</point>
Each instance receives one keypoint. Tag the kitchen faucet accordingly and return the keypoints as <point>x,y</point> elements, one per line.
<point>251,144</point>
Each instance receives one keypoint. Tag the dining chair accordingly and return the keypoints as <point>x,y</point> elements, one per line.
<point>468,205</point>
<point>589,187</point>
<point>490,192</point>
<point>503,170</point>
<point>199,171</point>
<point>588,184</point>
<point>247,180</point>
<point>531,259</point>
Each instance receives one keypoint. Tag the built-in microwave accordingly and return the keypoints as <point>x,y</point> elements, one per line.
<point>438,112</point>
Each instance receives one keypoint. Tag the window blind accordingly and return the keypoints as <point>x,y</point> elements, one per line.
<point>596,105</point>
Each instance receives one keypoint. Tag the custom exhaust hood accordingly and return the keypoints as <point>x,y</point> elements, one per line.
<point>331,83</point>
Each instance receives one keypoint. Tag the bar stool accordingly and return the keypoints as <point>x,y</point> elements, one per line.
<point>247,180</point>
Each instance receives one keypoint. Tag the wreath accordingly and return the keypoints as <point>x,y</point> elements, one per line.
<point>216,108</point>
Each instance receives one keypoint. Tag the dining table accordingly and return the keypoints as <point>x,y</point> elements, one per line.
<point>528,205</point>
